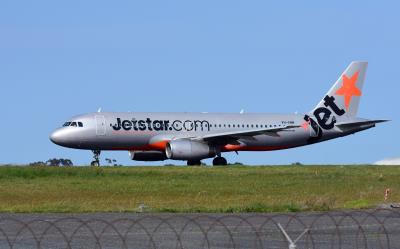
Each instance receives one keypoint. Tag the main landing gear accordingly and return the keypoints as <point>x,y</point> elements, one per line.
<point>96,157</point>
<point>220,161</point>
<point>193,163</point>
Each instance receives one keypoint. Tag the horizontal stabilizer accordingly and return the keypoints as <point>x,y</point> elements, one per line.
<point>358,124</point>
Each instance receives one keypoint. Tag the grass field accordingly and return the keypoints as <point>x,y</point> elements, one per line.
<point>195,189</point>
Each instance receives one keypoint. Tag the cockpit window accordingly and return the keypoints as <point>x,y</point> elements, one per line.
<point>74,124</point>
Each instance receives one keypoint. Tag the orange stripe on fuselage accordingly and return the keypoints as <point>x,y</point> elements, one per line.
<point>233,147</point>
<point>160,146</point>
<point>154,146</point>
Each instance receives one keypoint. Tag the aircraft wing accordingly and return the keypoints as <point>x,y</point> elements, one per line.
<point>358,124</point>
<point>229,136</point>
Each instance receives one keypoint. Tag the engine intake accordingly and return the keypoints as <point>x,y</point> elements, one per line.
<point>147,155</point>
<point>184,149</point>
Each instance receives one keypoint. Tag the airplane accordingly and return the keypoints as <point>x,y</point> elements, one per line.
<point>192,137</point>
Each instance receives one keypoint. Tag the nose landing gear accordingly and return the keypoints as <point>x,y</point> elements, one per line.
<point>96,157</point>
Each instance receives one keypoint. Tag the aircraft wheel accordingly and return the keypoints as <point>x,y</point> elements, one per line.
<point>193,163</point>
<point>220,161</point>
<point>96,157</point>
<point>95,164</point>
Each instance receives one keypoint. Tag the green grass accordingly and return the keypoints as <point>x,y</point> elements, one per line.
<point>195,189</point>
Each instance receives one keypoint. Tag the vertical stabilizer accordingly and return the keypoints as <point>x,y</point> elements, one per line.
<point>343,98</point>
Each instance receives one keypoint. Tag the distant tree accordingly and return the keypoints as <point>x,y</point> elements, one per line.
<point>53,162</point>
<point>59,162</point>
<point>66,162</point>
<point>111,161</point>
<point>238,163</point>
<point>39,163</point>
<point>297,164</point>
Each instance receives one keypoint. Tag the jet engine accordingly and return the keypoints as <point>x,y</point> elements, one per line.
<point>184,149</point>
<point>147,155</point>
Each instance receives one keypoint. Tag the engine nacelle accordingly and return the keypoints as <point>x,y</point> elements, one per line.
<point>184,149</point>
<point>147,155</point>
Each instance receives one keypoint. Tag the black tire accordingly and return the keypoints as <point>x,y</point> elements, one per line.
<point>193,163</point>
<point>220,161</point>
<point>95,164</point>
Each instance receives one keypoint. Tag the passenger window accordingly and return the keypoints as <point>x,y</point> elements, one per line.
<point>80,124</point>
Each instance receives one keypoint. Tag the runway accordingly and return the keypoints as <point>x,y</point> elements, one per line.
<point>356,229</point>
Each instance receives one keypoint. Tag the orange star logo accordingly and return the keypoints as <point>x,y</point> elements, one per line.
<point>349,89</point>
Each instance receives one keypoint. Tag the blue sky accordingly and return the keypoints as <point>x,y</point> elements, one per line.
<point>62,58</point>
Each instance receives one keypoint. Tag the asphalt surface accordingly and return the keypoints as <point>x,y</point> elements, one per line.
<point>356,229</point>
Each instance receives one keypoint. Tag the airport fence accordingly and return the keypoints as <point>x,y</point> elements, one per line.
<point>378,228</point>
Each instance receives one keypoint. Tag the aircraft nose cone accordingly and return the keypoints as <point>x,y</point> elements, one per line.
<point>66,137</point>
<point>57,137</point>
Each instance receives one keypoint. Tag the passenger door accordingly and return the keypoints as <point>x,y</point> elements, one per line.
<point>100,125</point>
